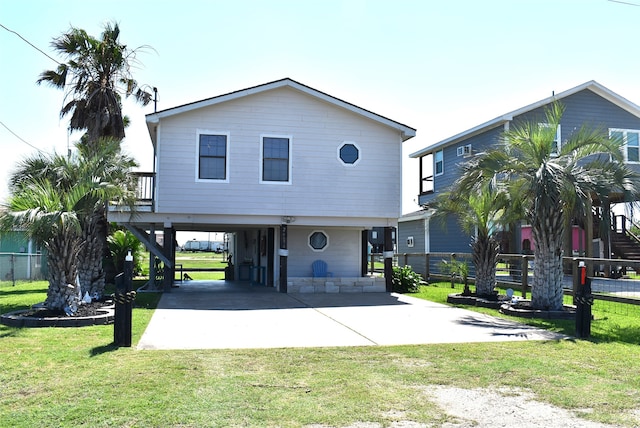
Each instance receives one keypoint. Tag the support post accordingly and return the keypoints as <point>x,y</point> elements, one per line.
<point>388,259</point>
<point>169,271</point>
<point>284,254</point>
<point>583,300</point>
<point>525,276</point>
<point>124,297</point>
<point>152,259</point>
<point>364,248</point>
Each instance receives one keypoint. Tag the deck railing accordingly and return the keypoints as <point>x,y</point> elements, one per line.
<point>145,189</point>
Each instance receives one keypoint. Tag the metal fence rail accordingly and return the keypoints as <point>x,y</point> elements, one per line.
<point>21,266</point>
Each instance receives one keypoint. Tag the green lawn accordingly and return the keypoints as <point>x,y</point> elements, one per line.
<point>196,260</point>
<point>75,377</point>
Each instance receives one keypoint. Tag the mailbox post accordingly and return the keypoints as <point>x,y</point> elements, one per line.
<point>124,298</point>
<point>584,301</point>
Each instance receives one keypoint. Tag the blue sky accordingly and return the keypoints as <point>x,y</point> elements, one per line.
<point>438,66</point>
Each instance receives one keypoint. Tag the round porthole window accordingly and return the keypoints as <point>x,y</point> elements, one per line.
<point>349,153</point>
<point>318,240</point>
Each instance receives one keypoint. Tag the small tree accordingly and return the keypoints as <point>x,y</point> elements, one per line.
<point>483,211</point>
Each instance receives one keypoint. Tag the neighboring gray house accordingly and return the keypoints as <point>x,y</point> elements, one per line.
<point>589,103</point>
<point>291,173</point>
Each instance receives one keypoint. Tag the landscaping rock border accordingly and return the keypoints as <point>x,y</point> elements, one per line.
<point>18,319</point>
<point>522,310</point>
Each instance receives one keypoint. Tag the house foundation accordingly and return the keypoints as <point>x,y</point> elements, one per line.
<point>369,284</point>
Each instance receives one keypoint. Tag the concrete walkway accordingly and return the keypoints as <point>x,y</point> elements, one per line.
<point>219,315</point>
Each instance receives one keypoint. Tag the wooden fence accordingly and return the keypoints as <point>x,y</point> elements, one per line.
<point>516,271</point>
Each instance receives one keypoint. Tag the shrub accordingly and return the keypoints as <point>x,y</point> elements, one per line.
<point>405,280</point>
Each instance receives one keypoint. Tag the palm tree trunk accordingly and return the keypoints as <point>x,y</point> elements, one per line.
<point>90,271</point>
<point>485,252</point>
<point>63,291</point>
<point>547,232</point>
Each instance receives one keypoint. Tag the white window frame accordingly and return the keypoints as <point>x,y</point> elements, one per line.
<point>464,150</point>
<point>558,139</point>
<point>625,148</point>
<point>200,132</point>
<point>316,250</point>
<point>353,143</point>
<point>261,160</point>
<point>435,163</point>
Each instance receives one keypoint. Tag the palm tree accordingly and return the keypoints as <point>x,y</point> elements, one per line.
<point>95,77</point>
<point>483,211</point>
<point>107,168</point>
<point>51,216</point>
<point>552,184</point>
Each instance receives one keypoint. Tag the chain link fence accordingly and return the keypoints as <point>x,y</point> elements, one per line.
<point>22,266</point>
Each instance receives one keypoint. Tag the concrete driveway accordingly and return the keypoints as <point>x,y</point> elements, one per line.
<point>219,315</point>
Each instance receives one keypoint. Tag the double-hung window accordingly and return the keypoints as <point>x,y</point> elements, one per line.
<point>275,166</point>
<point>556,144</point>
<point>439,162</point>
<point>630,140</point>
<point>213,153</point>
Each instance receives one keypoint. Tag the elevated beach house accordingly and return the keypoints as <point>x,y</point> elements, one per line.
<point>292,174</point>
<point>590,103</point>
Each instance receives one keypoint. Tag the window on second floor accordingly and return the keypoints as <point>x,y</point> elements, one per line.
<point>212,155</point>
<point>464,150</point>
<point>439,162</point>
<point>426,174</point>
<point>557,141</point>
<point>275,166</point>
<point>630,140</point>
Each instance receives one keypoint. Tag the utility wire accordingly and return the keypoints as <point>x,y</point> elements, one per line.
<point>31,44</point>
<point>20,138</point>
<point>624,2</point>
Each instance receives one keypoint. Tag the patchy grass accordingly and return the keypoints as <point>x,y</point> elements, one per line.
<point>76,377</point>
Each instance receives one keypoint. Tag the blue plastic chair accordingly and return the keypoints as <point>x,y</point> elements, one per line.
<point>320,269</point>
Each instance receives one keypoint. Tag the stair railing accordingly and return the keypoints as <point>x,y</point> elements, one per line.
<point>624,221</point>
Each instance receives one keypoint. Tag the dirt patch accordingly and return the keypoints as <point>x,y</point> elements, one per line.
<point>503,407</point>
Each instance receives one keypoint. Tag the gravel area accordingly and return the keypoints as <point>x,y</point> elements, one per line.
<point>490,408</point>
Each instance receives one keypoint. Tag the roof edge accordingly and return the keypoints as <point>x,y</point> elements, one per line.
<point>407,132</point>
<point>591,85</point>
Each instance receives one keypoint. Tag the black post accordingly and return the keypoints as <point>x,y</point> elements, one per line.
<point>284,253</point>
<point>388,259</point>
<point>583,300</point>
<point>124,297</point>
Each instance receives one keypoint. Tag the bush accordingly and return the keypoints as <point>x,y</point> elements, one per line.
<point>405,280</point>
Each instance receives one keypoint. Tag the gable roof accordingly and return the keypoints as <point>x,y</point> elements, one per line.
<point>592,86</point>
<point>153,118</point>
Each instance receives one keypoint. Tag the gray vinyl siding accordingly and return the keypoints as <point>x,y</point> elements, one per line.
<point>452,161</point>
<point>414,228</point>
<point>321,185</point>
<point>342,255</point>
<point>448,237</point>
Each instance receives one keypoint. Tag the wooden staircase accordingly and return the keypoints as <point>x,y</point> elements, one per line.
<point>624,243</point>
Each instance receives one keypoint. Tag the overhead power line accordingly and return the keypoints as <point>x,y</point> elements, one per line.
<point>624,2</point>
<point>31,44</point>
<point>19,137</point>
